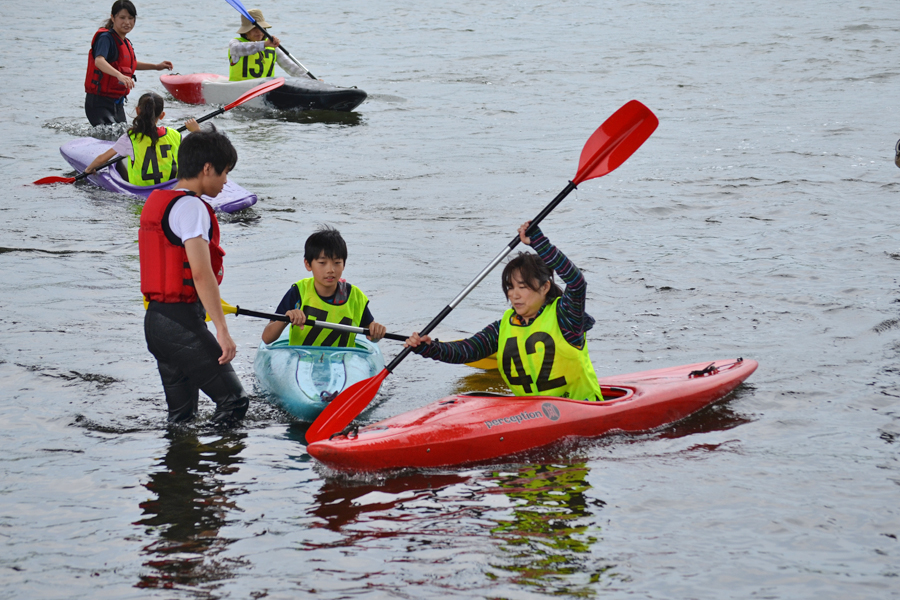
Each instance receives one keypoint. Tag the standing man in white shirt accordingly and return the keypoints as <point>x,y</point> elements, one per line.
<point>181,269</point>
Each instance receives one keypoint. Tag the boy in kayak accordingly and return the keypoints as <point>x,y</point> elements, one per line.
<point>324,296</point>
<point>252,56</point>
<point>540,342</point>
<point>150,151</point>
<point>181,269</point>
<point>111,65</point>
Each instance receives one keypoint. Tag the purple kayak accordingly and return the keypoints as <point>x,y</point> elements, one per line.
<point>79,153</point>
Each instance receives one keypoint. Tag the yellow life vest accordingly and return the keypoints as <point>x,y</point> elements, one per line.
<point>156,165</point>
<point>348,313</point>
<point>536,360</point>
<point>254,66</point>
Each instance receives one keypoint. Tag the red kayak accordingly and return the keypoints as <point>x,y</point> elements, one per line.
<point>482,427</point>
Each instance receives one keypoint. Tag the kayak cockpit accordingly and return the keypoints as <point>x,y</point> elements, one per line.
<point>609,393</point>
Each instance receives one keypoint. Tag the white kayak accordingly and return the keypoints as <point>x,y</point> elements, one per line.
<point>297,92</point>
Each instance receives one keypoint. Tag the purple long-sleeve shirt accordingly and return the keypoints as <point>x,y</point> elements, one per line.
<point>573,321</point>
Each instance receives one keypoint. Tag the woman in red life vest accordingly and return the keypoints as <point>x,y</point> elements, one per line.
<point>111,65</point>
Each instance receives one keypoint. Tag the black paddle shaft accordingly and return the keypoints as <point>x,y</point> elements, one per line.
<point>338,326</point>
<point>478,278</point>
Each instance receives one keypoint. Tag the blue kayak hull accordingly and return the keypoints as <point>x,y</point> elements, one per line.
<point>302,379</point>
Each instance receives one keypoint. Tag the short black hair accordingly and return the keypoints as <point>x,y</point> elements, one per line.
<point>206,146</point>
<point>328,240</point>
<point>533,272</point>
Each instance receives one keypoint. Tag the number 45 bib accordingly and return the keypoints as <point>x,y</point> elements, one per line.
<point>536,360</point>
<point>154,164</point>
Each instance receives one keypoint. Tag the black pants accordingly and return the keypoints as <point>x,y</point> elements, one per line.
<point>101,110</point>
<point>187,355</point>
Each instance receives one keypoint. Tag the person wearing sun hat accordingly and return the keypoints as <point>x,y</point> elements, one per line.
<point>252,56</point>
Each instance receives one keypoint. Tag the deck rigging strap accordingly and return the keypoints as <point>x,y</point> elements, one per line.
<point>710,369</point>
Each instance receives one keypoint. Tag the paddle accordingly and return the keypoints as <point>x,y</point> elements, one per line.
<point>236,4</point>
<point>253,93</point>
<point>610,146</point>
<point>237,310</point>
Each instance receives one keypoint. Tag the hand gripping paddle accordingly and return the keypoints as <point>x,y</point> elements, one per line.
<point>228,309</point>
<point>236,5</point>
<point>610,146</point>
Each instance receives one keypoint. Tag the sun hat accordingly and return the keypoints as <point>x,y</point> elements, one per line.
<point>246,25</point>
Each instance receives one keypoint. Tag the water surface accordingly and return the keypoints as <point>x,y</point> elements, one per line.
<point>758,221</point>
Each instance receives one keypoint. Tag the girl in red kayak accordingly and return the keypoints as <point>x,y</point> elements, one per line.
<point>540,342</point>
<point>111,66</point>
<point>150,152</point>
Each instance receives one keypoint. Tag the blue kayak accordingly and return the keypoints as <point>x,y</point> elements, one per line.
<point>303,379</point>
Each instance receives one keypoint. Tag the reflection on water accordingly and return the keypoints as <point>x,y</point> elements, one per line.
<point>192,504</point>
<point>328,117</point>
<point>716,417</point>
<point>339,502</point>
<point>547,539</point>
<point>540,516</point>
<point>481,381</point>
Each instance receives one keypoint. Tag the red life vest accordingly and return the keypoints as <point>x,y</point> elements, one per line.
<point>165,271</point>
<point>99,83</point>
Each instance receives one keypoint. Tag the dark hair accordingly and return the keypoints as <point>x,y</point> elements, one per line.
<point>206,146</point>
<point>533,272</point>
<point>328,240</point>
<point>150,106</point>
<point>117,7</point>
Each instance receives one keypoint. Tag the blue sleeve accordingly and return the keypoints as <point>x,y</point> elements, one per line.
<point>105,47</point>
<point>290,301</point>
<point>367,318</point>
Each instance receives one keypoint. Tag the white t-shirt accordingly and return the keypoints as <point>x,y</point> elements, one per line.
<point>123,147</point>
<point>189,219</point>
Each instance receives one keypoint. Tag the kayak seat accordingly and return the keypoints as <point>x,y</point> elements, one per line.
<point>609,393</point>
<point>614,393</point>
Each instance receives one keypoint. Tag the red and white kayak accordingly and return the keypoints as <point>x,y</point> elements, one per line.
<point>482,427</point>
<point>296,93</point>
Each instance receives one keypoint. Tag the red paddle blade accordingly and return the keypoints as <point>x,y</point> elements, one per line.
<point>257,91</point>
<point>346,407</point>
<point>47,180</point>
<point>614,141</point>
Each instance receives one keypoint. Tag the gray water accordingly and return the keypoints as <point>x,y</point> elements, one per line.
<point>758,221</point>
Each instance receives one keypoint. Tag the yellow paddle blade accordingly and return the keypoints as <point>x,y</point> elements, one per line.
<point>488,364</point>
<point>228,309</point>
